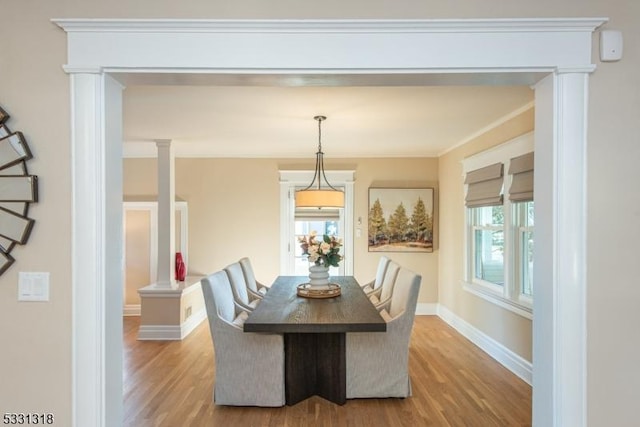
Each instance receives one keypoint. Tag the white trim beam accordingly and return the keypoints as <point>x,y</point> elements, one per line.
<point>433,44</point>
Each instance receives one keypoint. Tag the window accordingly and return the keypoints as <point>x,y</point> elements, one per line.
<point>500,225</point>
<point>488,244</point>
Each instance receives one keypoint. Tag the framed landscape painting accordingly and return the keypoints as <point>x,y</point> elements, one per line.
<point>400,220</point>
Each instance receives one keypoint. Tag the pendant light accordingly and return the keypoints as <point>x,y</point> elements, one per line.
<point>316,195</point>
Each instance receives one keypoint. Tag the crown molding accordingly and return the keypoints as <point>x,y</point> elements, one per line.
<point>330,25</point>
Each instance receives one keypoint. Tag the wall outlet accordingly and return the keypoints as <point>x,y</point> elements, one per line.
<point>187,312</point>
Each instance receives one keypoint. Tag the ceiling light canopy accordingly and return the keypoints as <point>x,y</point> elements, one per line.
<point>317,195</point>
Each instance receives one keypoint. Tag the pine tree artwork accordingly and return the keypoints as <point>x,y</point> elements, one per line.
<point>401,219</point>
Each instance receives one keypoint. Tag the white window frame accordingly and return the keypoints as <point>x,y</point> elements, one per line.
<point>289,180</point>
<point>520,228</point>
<point>509,295</point>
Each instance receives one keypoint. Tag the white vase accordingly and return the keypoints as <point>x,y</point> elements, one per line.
<point>318,275</point>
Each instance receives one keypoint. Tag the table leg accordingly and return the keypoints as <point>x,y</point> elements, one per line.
<point>331,367</point>
<point>315,364</point>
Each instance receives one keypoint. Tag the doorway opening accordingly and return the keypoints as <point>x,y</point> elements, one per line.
<point>540,51</point>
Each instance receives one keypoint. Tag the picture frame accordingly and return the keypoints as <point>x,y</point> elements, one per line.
<point>401,219</point>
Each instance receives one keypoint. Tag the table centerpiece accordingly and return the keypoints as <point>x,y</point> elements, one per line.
<point>322,253</point>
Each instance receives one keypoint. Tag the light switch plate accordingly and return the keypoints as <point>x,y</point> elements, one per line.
<point>33,286</point>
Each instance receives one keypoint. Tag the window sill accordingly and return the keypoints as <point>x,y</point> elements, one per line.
<point>486,294</point>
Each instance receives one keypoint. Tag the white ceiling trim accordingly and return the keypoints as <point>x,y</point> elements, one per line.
<point>375,26</point>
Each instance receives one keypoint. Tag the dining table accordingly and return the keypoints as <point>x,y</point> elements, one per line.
<point>314,331</point>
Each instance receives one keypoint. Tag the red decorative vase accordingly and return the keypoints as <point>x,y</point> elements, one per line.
<point>181,268</point>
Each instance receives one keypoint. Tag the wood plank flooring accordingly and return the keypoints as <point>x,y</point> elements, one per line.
<point>170,383</point>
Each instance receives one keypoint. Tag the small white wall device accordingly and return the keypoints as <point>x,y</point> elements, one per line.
<point>610,45</point>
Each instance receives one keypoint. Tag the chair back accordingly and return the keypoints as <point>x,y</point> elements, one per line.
<point>382,269</point>
<point>405,293</point>
<point>389,280</point>
<point>238,284</point>
<point>218,297</point>
<point>249,276</point>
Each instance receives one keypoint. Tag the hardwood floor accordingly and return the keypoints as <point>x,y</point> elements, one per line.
<point>170,383</point>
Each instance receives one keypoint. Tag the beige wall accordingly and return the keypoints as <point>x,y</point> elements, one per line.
<point>35,360</point>
<point>173,311</point>
<point>506,327</point>
<point>234,209</point>
<point>137,253</point>
<point>161,311</point>
<point>139,250</point>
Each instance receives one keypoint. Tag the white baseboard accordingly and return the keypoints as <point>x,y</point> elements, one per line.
<point>159,333</point>
<point>507,358</point>
<point>171,332</point>
<point>131,310</point>
<point>427,309</point>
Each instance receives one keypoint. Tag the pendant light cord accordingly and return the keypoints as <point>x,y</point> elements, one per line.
<point>319,172</point>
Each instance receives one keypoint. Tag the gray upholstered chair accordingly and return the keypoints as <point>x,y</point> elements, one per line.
<point>239,287</point>
<point>249,367</point>
<point>378,362</point>
<point>255,288</point>
<point>373,285</point>
<point>381,297</point>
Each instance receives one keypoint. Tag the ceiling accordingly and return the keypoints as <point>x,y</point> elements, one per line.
<point>262,116</point>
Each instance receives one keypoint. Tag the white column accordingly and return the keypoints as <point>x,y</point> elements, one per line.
<point>559,325</point>
<point>543,273</point>
<point>87,248</point>
<point>166,214</point>
<point>91,250</point>
<point>114,248</point>
<point>571,261</point>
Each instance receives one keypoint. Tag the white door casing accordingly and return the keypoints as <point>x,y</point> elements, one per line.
<point>103,51</point>
<point>289,180</point>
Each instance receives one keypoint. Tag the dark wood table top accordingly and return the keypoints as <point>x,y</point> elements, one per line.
<point>283,311</point>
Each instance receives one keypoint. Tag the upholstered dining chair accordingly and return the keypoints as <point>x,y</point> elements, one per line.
<point>239,379</point>
<point>378,362</point>
<point>373,285</point>
<point>255,288</point>
<point>239,287</point>
<point>382,296</point>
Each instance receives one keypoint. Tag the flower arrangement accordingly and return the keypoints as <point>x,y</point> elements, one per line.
<point>321,252</point>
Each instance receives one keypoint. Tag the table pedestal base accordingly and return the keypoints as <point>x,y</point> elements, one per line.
<point>315,364</point>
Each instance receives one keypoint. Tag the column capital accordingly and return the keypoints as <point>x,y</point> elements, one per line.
<point>163,143</point>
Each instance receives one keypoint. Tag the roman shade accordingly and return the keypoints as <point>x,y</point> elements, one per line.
<point>315,214</point>
<point>484,186</point>
<point>521,169</point>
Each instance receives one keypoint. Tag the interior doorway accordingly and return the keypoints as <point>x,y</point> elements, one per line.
<point>385,51</point>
